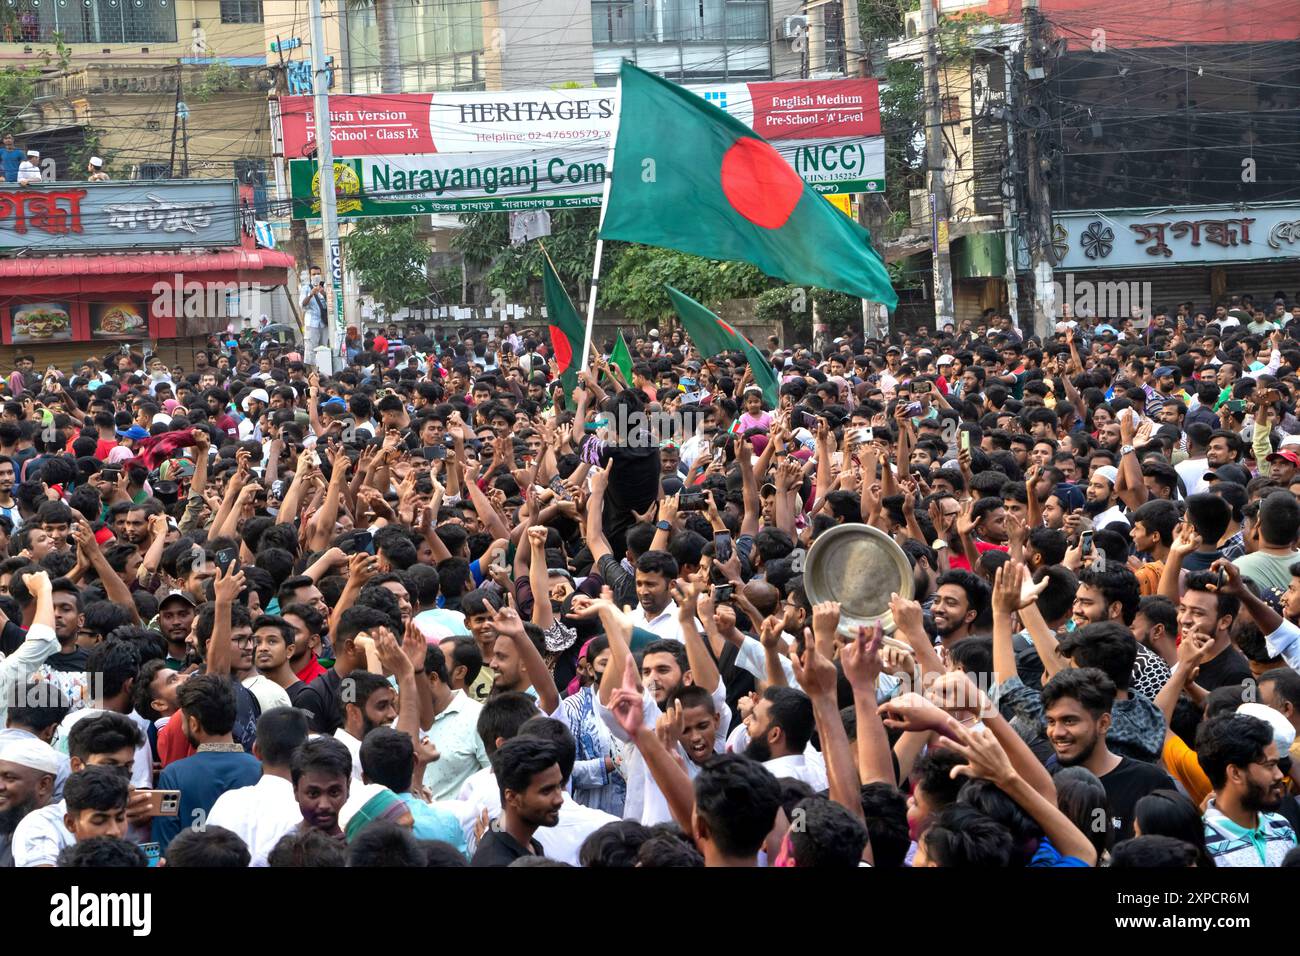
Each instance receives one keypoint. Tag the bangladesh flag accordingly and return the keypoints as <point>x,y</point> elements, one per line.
<point>687,176</point>
<point>566,329</point>
<point>622,357</point>
<point>712,336</point>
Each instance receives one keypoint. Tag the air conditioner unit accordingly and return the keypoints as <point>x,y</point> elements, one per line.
<point>792,27</point>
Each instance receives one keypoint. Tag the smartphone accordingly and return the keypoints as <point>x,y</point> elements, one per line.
<point>921,386</point>
<point>152,852</point>
<point>1085,542</point>
<point>692,501</point>
<point>722,592</point>
<point>1221,579</point>
<point>913,408</point>
<point>1235,405</point>
<point>1166,356</point>
<point>434,452</point>
<point>225,558</point>
<point>722,545</point>
<point>110,473</point>
<point>1266,396</point>
<point>358,542</point>
<point>557,485</point>
<point>164,803</point>
<point>965,441</point>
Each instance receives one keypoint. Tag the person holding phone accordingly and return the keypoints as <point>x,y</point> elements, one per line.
<point>315,315</point>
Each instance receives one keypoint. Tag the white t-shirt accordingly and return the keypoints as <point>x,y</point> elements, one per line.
<point>141,771</point>
<point>260,815</point>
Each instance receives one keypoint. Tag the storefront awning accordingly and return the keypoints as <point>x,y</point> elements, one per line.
<point>142,270</point>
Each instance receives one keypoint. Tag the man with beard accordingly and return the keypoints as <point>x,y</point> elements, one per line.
<point>528,774</point>
<point>780,726</point>
<point>368,701</point>
<point>961,604</point>
<point>1077,704</point>
<point>1225,448</point>
<point>208,717</point>
<point>1240,757</point>
<point>8,504</point>
<point>28,771</point>
<point>1103,504</point>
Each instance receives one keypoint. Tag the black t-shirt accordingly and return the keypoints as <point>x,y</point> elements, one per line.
<point>1229,667</point>
<point>320,699</point>
<point>11,638</point>
<point>1125,786</point>
<point>68,661</point>
<point>636,477</point>
<point>498,848</point>
<point>421,343</point>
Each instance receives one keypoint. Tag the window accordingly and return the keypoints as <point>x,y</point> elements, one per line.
<point>88,21</point>
<point>241,11</point>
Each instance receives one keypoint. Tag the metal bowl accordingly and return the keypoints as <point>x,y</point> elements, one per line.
<point>859,566</point>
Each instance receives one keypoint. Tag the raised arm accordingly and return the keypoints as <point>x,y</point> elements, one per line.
<point>704,672</point>
<point>860,659</point>
<point>1186,540</point>
<point>509,625</point>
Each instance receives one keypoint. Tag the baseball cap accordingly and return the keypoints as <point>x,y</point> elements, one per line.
<point>1233,473</point>
<point>176,593</point>
<point>334,404</point>
<point>1164,370</point>
<point>1286,455</point>
<point>798,498</point>
<point>943,360</point>
<point>135,433</point>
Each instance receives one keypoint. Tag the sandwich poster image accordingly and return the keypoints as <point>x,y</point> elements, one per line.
<point>42,322</point>
<point>118,320</point>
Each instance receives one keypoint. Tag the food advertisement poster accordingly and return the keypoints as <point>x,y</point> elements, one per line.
<point>118,320</point>
<point>42,322</point>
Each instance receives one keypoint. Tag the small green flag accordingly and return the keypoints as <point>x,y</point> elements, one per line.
<point>567,330</point>
<point>690,177</point>
<point>712,336</point>
<point>622,357</point>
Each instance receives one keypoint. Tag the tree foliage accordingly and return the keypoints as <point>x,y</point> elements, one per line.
<point>389,257</point>
<point>633,284</point>
<point>484,240</point>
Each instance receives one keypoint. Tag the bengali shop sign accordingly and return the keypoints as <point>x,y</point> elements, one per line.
<point>558,178</point>
<point>425,123</point>
<point>64,217</point>
<point>1178,235</point>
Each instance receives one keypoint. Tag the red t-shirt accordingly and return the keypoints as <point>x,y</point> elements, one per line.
<point>958,561</point>
<point>311,671</point>
<point>173,745</point>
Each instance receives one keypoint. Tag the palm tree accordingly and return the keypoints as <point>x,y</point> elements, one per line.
<point>390,70</point>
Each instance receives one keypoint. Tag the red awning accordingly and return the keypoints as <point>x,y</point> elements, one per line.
<point>243,263</point>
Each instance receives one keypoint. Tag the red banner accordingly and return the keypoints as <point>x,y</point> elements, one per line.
<point>816,109</point>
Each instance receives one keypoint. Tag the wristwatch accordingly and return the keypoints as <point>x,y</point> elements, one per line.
<point>664,526</point>
<point>1125,450</point>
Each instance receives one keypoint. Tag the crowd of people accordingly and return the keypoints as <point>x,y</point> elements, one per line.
<point>435,609</point>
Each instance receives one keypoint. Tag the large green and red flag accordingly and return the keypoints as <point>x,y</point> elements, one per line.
<point>566,329</point>
<point>622,357</point>
<point>687,176</point>
<point>712,336</point>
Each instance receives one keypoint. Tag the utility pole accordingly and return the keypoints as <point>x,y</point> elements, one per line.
<point>332,272</point>
<point>297,227</point>
<point>176,119</point>
<point>854,56</point>
<point>1009,191</point>
<point>939,212</point>
<point>1039,198</point>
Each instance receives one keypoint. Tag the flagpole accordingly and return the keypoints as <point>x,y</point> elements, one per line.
<point>604,204</point>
